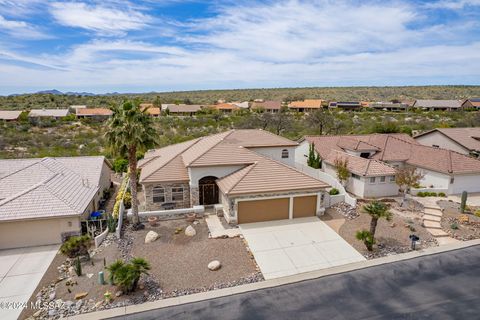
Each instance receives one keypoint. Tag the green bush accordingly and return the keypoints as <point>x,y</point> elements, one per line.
<point>433,194</point>
<point>127,200</point>
<point>334,192</point>
<point>442,194</point>
<point>421,194</point>
<point>76,246</point>
<point>120,165</point>
<point>126,275</point>
<point>477,213</point>
<point>454,226</point>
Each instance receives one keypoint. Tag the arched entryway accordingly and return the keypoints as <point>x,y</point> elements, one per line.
<point>208,190</point>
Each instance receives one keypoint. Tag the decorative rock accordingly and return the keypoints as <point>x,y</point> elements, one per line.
<point>52,312</point>
<point>71,272</point>
<point>141,286</point>
<point>51,296</point>
<point>214,265</point>
<point>81,295</point>
<point>393,225</point>
<point>89,275</point>
<point>98,304</point>
<point>38,313</point>
<point>118,293</point>
<point>151,236</point>
<point>79,304</point>
<point>196,222</point>
<point>190,231</point>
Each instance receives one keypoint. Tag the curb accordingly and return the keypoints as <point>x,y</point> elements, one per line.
<point>132,309</point>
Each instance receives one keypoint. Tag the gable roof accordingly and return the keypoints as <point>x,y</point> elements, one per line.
<point>469,138</point>
<point>48,113</point>
<point>9,114</point>
<point>48,187</point>
<point>94,112</point>
<point>401,147</point>
<point>174,108</point>
<point>225,106</point>
<point>447,104</point>
<point>361,166</point>
<point>307,103</point>
<point>268,105</point>
<point>267,175</point>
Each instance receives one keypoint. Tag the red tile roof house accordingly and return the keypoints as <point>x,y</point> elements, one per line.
<point>271,106</point>
<point>94,113</point>
<point>249,172</point>
<point>371,159</point>
<point>462,140</point>
<point>42,201</point>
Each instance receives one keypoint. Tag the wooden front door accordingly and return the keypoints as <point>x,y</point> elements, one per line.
<point>208,190</point>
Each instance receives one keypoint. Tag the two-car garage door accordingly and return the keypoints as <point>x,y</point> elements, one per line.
<point>276,209</point>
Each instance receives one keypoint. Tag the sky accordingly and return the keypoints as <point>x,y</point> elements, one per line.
<point>173,45</point>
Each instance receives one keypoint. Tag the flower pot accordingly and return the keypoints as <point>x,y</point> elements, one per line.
<point>152,221</point>
<point>191,217</point>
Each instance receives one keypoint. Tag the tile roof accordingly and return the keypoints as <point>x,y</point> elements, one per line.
<point>174,108</point>
<point>454,104</point>
<point>48,113</point>
<point>307,103</point>
<point>225,106</point>
<point>361,166</point>
<point>226,148</point>
<point>9,115</point>
<point>268,105</point>
<point>267,175</point>
<point>94,112</point>
<point>153,111</point>
<point>467,137</point>
<point>48,187</point>
<point>401,147</point>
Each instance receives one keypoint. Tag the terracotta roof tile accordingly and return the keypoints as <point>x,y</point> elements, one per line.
<point>307,103</point>
<point>94,112</point>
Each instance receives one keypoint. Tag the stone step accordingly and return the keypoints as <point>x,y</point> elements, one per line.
<point>437,233</point>
<point>433,212</point>
<point>431,217</point>
<point>434,207</point>
<point>432,224</point>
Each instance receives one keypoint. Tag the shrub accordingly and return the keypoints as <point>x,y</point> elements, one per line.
<point>421,194</point>
<point>127,200</point>
<point>334,192</point>
<point>126,275</point>
<point>442,194</point>
<point>76,246</point>
<point>454,226</point>
<point>433,194</point>
<point>367,238</point>
<point>120,165</point>
<point>477,213</point>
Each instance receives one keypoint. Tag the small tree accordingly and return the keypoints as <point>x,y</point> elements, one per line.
<point>127,275</point>
<point>367,239</point>
<point>406,178</point>
<point>313,159</point>
<point>341,165</point>
<point>376,210</point>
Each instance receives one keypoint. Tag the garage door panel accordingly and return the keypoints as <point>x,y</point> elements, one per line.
<point>304,206</point>
<point>263,210</point>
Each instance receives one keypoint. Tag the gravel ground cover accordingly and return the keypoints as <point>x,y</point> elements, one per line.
<point>460,226</point>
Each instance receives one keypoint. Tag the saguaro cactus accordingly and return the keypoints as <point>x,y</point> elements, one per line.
<point>78,267</point>
<point>463,203</point>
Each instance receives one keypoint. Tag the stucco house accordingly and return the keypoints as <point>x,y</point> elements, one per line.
<point>94,113</point>
<point>307,105</point>
<point>42,201</point>
<point>250,172</point>
<point>372,157</point>
<point>438,105</point>
<point>462,140</point>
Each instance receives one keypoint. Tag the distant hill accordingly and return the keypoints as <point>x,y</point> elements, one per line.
<point>56,99</point>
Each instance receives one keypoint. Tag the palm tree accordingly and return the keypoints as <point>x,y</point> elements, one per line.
<point>130,130</point>
<point>376,210</point>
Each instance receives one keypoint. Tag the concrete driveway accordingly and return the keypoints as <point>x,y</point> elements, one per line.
<point>20,272</point>
<point>288,247</point>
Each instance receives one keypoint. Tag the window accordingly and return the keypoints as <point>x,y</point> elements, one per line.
<point>354,176</point>
<point>158,194</point>
<point>392,179</point>
<point>435,146</point>
<point>382,179</point>
<point>372,180</point>
<point>284,153</point>
<point>452,180</point>
<point>177,194</point>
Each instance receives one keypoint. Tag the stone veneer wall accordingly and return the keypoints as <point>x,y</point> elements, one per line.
<point>151,206</point>
<point>194,196</point>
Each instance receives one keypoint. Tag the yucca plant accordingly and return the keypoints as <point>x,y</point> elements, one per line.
<point>127,275</point>
<point>367,239</point>
<point>76,246</point>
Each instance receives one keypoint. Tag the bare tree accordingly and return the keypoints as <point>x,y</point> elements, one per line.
<point>406,178</point>
<point>320,119</point>
<point>341,165</point>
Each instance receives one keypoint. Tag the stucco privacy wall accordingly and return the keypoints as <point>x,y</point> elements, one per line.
<point>436,138</point>
<point>275,153</point>
<point>25,233</point>
<point>469,183</point>
<point>150,205</point>
<point>301,153</point>
<point>435,179</point>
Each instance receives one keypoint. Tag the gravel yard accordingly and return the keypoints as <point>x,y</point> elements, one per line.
<point>459,226</point>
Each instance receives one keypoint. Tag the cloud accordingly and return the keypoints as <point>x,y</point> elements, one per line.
<point>452,5</point>
<point>105,21</point>
<point>21,29</point>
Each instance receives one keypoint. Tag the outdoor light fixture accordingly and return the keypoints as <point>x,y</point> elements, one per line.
<point>414,239</point>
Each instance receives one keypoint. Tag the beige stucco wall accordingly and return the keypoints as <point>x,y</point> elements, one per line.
<point>437,138</point>
<point>37,232</point>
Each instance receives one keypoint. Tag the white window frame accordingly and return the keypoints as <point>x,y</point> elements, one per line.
<point>383,179</point>
<point>372,180</point>
<point>285,154</point>
<point>392,178</point>
<point>158,191</point>
<point>355,176</point>
<point>176,193</point>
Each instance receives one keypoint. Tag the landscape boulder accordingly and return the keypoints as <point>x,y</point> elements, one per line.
<point>151,236</point>
<point>214,265</point>
<point>190,231</point>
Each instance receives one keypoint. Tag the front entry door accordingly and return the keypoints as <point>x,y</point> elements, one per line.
<point>208,190</point>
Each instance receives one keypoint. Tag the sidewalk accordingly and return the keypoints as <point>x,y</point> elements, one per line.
<point>217,230</point>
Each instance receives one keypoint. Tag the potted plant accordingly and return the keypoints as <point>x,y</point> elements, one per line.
<point>152,220</point>
<point>191,217</point>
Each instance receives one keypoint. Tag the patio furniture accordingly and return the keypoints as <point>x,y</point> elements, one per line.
<point>168,206</point>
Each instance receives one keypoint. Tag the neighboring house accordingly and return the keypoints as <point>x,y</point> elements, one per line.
<point>152,110</point>
<point>307,105</point>
<point>48,113</point>
<point>9,115</point>
<point>345,105</point>
<point>250,172</point>
<point>183,109</point>
<point>438,105</point>
<point>225,107</point>
<point>242,105</point>
<point>473,103</point>
<point>445,170</point>
<point>389,106</point>
<point>462,140</point>
<point>94,113</point>
<point>43,201</point>
<point>271,106</point>
<point>73,108</point>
